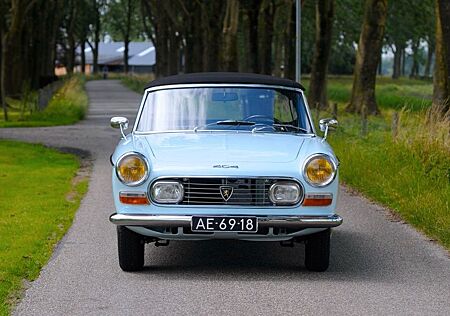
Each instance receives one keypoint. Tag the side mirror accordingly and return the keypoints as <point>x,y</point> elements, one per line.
<point>327,125</point>
<point>120,122</point>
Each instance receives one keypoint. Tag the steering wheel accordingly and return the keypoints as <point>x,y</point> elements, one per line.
<point>259,116</point>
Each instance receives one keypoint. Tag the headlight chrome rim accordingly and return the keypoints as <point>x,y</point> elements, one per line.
<point>330,160</point>
<point>173,201</point>
<point>140,156</point>
<point>300,197</point>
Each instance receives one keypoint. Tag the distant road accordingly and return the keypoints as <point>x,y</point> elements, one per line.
<point>378,266</point>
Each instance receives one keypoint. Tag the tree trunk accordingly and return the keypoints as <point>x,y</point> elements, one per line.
<point>95,55</point>
<point>403,70</point>
<point>380,65</point>
<point>126,35</point>
<point>441,80</point>
<point>126,55</point>
<point>415,65</point>
<point>317,95</point>
<point>212,16</point>
<point>193,38</point>
<point>279,40</point>
<point>253,16</point>
<point>429,59</point>
<point>444,13</point>
<point>97,26</point>
<point>3,75</point>
<point>174,49</point>
<point>397,65</point>
<point>266,36</point>
<point>71,55</point>
<point>289,50</point>
<point>50,65</point>
<point>162,51</point>
<point>368,57</point>
<point>230,27</point>
<point>83,57</point>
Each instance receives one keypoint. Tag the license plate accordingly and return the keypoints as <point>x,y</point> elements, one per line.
<point>224,224</point>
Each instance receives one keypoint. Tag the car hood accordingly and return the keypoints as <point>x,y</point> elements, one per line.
<point>222,148</point>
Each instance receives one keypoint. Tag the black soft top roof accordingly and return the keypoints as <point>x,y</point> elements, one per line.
<point>225,77</point>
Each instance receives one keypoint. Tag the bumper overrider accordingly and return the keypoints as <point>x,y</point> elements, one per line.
<point>300,221</point>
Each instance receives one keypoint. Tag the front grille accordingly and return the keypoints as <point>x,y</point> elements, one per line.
<point>245,191</point>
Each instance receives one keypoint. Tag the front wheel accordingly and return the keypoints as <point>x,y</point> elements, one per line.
<point>317,251</point>
<point>131,249</point>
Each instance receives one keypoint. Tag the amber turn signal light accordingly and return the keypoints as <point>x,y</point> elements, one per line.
<point>136,198</point>
<point>318,200</point>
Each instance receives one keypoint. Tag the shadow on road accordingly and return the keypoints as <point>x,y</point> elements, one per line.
<point>352,258</point>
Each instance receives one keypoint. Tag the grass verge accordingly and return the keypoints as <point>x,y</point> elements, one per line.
<point>137,83</point>
<point>409,173</point>
<point>38,200</point>
<point>67,106</point>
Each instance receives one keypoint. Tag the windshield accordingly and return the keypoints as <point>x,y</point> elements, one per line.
<point>224,108</point>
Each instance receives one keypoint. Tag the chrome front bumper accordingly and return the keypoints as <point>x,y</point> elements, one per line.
<point>263,221</point>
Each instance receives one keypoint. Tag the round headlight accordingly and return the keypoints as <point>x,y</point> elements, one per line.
<point>132,169</point>
<point>319,170</point>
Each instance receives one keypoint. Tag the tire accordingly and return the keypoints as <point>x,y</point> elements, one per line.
<point>317,251</point>
<point>131,249</point>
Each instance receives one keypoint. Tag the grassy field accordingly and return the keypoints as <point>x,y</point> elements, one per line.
<point>68,106</point>
<point>409,173</point>
<point>38,200</point>
<point>415,95</point>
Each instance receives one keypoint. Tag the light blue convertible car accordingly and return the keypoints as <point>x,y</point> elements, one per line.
<point>224,156</point>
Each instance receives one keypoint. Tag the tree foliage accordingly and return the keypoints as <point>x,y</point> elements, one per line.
<point>210,35</point>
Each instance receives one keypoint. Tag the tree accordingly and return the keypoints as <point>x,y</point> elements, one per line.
<point>166,23</point>
<point>346,31</point>
<point>441,90</point>
<point>70,27</point>
<point>123,22</point>
<point>266,36</point>
<point>431,45</point>
<point>251,9</point>
<point>96,8</point>
<point>11,28</point>
<point>317,95</point>
<point>399,30</point>
<point>229,57</point>
<point>368,57</point>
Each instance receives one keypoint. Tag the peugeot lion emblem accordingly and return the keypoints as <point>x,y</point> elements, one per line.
<point>226,192</point>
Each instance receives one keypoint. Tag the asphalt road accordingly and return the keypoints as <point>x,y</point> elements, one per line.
<point>378,265</point>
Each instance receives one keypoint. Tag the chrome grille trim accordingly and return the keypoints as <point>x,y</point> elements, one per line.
<point>248,191</point>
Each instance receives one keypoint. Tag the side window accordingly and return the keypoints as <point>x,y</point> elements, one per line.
<point>284,110</point>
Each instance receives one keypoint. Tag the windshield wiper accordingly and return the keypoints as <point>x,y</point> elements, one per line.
<point>235,123</point>
<point>291,126</point>
<point>226,122</point>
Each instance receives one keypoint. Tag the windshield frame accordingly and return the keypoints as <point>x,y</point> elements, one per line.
<point>212,85</point>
